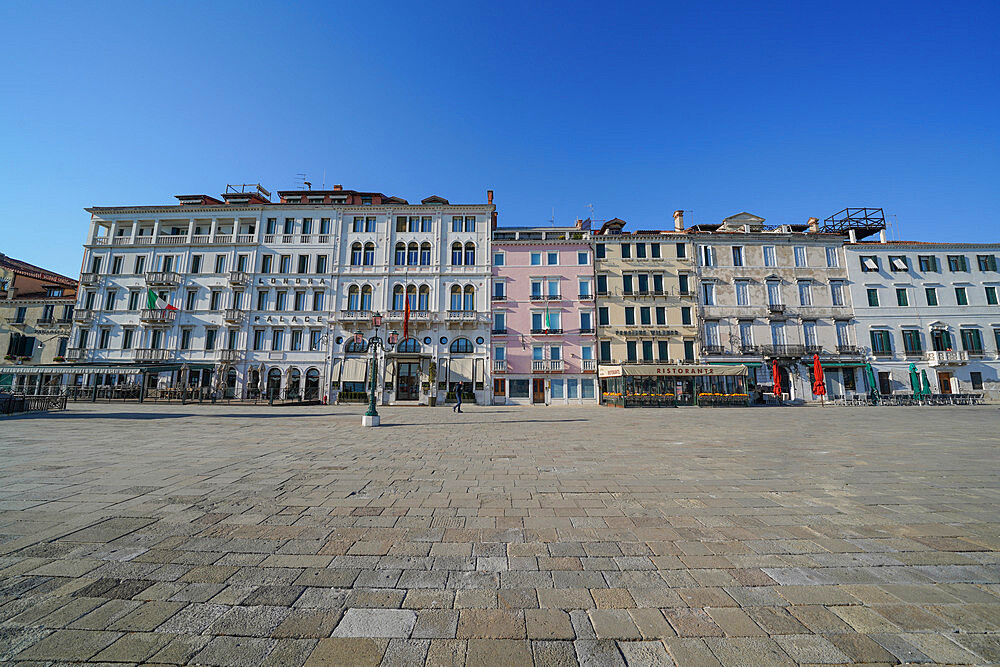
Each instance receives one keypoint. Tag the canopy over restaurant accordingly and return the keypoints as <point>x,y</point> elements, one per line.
<point>670,385</point>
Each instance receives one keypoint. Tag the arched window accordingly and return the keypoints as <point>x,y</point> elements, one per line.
<point>369,258</point>
<point>456,297</point>
<point>411,296</point>
<point>424,298</point>
<point>400,253</point>
<point>461,346</point>
<point>293,383</point>
<point>425,254</point>
<point>456,254</point>
<point>273,382</point>
<point>469,302</point>
<point>356,254</point>
<point>353,298</point>
<point>470,254</point>
<point>412,253</point>
<point>409,345</point>
<point>350,347</point>
<point>397,297</point>
<point>312,384</point>
<point>366,297</point>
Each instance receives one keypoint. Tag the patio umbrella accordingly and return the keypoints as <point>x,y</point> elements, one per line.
<point>777,378</point>
<point>914,381</point>
<point>819,389</point>
<point>873,391</point>
<point>927,385</point>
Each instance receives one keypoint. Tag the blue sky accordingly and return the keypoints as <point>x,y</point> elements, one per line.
<point>787,110</point>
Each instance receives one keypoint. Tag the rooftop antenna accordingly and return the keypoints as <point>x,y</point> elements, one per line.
<point>552,220</point>
<point>324,178</point>
<point>593,216</point>
<point>300,178</point>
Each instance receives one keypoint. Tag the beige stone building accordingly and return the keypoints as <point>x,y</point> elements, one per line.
<point>36,317</point>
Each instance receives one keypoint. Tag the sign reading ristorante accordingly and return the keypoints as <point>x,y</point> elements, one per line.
<point>685,370</point>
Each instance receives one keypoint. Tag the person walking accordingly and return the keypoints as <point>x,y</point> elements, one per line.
<point>458,399</point>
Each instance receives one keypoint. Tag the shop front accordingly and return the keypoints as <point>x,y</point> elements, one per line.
<point>672,385</point>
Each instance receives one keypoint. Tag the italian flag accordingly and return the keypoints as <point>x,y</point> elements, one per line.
<point>154,302</point>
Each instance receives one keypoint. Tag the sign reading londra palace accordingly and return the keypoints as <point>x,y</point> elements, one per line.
<point>680,370</point>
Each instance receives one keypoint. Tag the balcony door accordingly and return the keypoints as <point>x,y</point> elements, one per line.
<point>944,382</point>
<point>538,390</point>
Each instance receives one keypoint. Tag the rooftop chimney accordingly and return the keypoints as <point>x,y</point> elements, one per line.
<point>489,196</point>
<point>814,225</point>
<point>338,187</point>
<point>881,236</point>
<point>852,236</point>
<point>678,221</point>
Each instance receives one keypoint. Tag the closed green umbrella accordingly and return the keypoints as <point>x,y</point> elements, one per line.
<point>914,381</point>
<point>873,392</point>
<point>927,384</point>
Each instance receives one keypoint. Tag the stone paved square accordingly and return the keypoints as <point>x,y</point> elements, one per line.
<point>554,536</point>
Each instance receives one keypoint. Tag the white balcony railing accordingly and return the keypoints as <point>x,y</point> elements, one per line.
<point>245,238</point>
<point>75,353</point>
<point>947,357</point>
<point>589,365</point>
<point>171,239</point>
<point>233,315</point>
<point>239,277</point>
<point>461,316</point>
<point>201,238</point>
<point>163,278</point>
<point>149,354</point>
<point>415,315</point>
<point>83,315</point>
<point>223,238</point>
<point>90,278</point>
<point>229,356</point>
<point>499,365</point>
<point>547,365</point>
<point>355,315</point>
<point>157,316</point>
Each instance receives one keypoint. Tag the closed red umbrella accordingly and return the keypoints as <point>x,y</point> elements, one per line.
<point>819,389</point>
<point>777,378</point>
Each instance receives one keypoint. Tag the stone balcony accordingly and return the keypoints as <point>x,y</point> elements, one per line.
<point>157,317</point>
<point>947,357</point>
<point>149,354</point>
<point>167,278</point>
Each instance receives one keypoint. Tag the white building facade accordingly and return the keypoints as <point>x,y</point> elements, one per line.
<point>269,294</point>
<point>934,305</point>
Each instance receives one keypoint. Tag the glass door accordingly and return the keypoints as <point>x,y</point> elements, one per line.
<point>408,381</point>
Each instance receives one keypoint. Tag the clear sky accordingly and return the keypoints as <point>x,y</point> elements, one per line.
<point>786,110</point>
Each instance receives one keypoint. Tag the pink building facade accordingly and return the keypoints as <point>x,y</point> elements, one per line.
<point>543,340</point>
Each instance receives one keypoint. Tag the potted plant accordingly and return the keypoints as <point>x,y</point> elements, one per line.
<point>8,357</point>
<point>59,359</point>
<point>432,370</point>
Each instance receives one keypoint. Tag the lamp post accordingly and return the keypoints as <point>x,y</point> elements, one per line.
<point>371,417</point>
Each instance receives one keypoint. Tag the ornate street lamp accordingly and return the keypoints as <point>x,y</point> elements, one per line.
<point>371,417</point>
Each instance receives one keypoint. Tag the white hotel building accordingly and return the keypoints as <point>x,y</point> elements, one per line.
<point>269,295</point>
<point>934,305</point>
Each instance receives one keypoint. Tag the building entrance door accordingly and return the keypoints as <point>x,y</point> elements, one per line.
<point>944,381</point>
<point>537,390</point>
<point>408,381</point>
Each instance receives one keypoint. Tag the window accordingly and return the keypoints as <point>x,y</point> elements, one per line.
<point>686,315</point>
<point>657,283</point>
<point>425,223</point>
<point>22,312</point>
<point>412,254</point>
<point>873,297</point>
<point>366,297</point>
<point>277,339</point>
<point>605,350</point>
<point>552,258</point>
<point>682,283</point>
<point>470,254</point>
<point>661,315</point>
<point>707,255</point>
<point>629,315</point>
<point>185,339</point>
<point>643,283</point>
<point>307,225</point>
<point>265,264</point>
<point>109,300</point>
<point>627,283</point>
<point>258,339</point>
<point>898,263</point>
<point>869,263</point>
<point>456,223</point>
<point>972,341</point>
<point>644,315</point>
<point>663,350</point>
<point>499,290</point>
<point>296,342</point>
<point>321,264</point>
<point>210,339</point>
<point>192,298</point>
<point>746,334</point>
<point>711,333</point>
<point>587,352</point>
<point>238,300</point>
<point>470,223</point>
<point>116,265</point>
<point>931,294</point>
<point>800,256</point>
<point>777,334</point>
<point>961,296</point>
<point>414,225</point>
<point>654,250</point>
<point>425,254</point>
<point>398,298</point>
<point>127,336</point>
<point>552,290</point>
<point>832,257</point>
<point>805,293</point>
<point>991,295</point>
<point>370,223</point>
<point>773,293</point>
<point>602,285</point>
<point>631,353</point>
<point>940,340</point>
<point>500,353</point>
<point>536,259</point>
<point>285,264</point>
<point>843,333</point>
<point>640,251</point>
<point>603,318</point>
<point>708,293</point>
<point>498,258</point>
<point>957,263</point>
<point>289,225</point>
<point>881,342</point>
<point>681,251</point>
<point>600,251</point>
<point>536,289</point>
<point>461,346</point>
<point>359,224</point>
<point>911,342</point>
<point>647,350</point>
<point>987,262</point>
<point>456,297</point>
<point>837,292</point>
<point>901,297</point>
<point>215,300</point>
<point>499,322</point>
<point>737,255</point>
<point>133,300</point>
<point>586,321</point>
<point>809,333</point>
<point>272,226</point>
<point>626,251</point>
<point>977,380</point>
<point>850,383</point>
<point>220,263</point>
<point>928,263</point>
<point>95,265</point>
<point>300,301</point>
<point>140,264</point>
<point>280,300</point>
<point>582,258</point>
<point>369,258</point>
<point>555,352</point>
<point>583,288</point>
<point>770,259</point>
<point>262,299</point>
<point>303,264</point>
<point>324,225</point>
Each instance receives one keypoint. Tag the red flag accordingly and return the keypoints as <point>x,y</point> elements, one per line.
<point>819,389</point>
<point>777,378</point>
<point>406,316</point>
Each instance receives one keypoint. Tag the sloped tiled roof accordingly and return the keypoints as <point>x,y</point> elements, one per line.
<point>31,271</point>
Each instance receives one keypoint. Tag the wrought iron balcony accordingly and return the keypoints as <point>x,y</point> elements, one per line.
<point>790,351</point>
<point>713,349</point>
<point>499,332</point>
<point>499,297</point>
<point>542,332</point>
<point>814,349</point>
<point>849,350</point>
